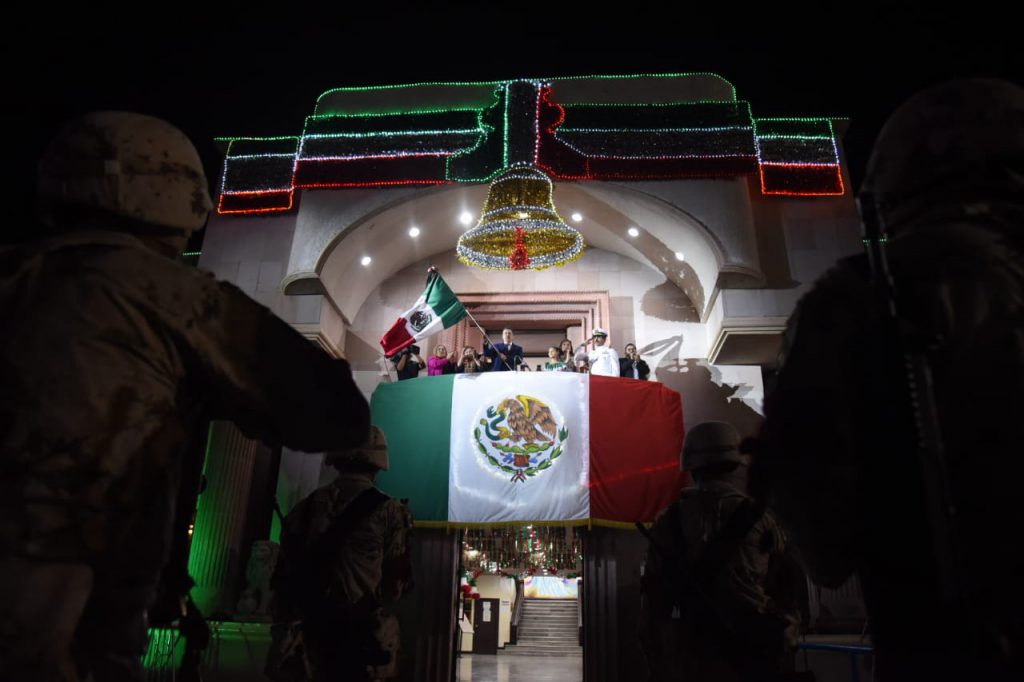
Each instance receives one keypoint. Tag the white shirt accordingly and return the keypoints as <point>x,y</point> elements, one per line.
<point>604,361</point>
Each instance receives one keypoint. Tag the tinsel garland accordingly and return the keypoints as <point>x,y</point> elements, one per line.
<point>519,226</point>
<point>522,549</point>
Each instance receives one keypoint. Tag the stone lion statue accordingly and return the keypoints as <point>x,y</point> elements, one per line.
<point>256,596</point>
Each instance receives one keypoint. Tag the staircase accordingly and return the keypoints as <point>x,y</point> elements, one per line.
<point>548,627</point>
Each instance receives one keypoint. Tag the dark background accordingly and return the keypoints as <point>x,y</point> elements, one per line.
<point>256,69</point>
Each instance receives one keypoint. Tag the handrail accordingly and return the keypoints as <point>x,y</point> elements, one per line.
<point>579,615</point>
<point>847,648</point>
<point>517,613</point>
<point>854,650</point>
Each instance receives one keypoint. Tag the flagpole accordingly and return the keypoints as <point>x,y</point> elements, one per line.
<point>489,342</point>
<point>387,367</point>
<point>433,272</point>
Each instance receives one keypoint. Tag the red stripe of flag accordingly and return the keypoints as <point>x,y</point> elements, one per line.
<point>636,436</point>
<point>396,338</point>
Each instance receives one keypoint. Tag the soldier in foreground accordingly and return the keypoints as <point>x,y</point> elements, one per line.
<point>114,356</point>
<point>345,554</point>
<point>706,614</point>
<point>891,446</point>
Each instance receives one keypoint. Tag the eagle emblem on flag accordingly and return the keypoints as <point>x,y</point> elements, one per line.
<point>420,319</point>
<point>520,435</point>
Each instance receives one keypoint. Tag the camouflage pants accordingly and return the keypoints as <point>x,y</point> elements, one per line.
<point>59,622</point>
<point>301,655</point>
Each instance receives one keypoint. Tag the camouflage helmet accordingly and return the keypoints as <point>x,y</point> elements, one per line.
<point>373,451</point>
<point>948,142</point>
<point>711,443</point>
<point>127,164</point>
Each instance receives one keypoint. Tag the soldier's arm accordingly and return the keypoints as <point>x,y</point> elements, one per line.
<point>396,572</point>
<point>807,457</point>
<point>273,383</point>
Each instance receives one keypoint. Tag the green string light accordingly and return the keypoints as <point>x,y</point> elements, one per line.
<point>474,84</point>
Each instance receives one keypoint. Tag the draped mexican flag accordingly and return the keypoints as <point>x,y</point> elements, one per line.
<point>517,447</point>
<point>437,308</point>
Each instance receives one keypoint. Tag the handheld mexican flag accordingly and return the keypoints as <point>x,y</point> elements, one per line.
<point>507,448</point>
<point>436,309</point>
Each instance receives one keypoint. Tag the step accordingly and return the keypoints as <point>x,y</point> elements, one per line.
<point>518,651</point>
<point>549,619</point>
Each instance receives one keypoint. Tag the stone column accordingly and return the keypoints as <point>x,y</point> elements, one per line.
<point>216,555</point>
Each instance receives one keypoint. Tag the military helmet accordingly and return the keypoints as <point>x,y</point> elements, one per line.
<point>955,137</point>
<point>711,443</point>
<point>130,165</point>
<point>373,451</point>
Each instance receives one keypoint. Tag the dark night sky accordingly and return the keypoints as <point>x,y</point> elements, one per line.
<point>258,70</point>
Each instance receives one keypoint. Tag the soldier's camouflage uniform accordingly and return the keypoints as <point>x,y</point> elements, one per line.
<point>370,569</point>
<point>112,356</point>
<point>840,454</point>
<point>684,645</point>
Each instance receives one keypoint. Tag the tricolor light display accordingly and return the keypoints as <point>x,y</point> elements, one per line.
<point>384,136</point>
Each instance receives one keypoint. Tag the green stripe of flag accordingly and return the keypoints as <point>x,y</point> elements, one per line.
<point>415,416</point>
<point>444,302</point>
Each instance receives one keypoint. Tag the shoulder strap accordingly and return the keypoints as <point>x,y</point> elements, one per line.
<point>364,504</point>
<point>724,545</point>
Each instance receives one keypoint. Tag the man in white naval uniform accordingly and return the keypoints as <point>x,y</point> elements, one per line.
<point>604,360</point>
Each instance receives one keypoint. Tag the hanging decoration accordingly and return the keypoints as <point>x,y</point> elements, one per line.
<point>521,549</point>
<point>519,259</point>
<point>519,227</point>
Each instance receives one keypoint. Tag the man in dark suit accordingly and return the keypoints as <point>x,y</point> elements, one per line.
<point>632,365</point>
<point>505,356</point>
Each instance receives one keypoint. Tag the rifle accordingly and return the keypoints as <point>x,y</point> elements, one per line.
<point>173,602</point>
<point>920,393</point>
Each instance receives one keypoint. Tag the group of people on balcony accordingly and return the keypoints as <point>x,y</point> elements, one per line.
<point>602,359</point>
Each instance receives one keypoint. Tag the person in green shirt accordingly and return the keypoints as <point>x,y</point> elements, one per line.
<point>555,362</point>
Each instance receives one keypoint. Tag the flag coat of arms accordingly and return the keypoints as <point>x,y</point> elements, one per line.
<point>507,447</point>
<point>437,308</point>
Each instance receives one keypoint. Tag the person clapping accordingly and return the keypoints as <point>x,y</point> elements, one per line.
<point>440,362</point>
<point>632,366</point>
<point>470,362</point>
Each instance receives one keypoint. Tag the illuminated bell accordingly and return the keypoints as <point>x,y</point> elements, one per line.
<point>519,228</point>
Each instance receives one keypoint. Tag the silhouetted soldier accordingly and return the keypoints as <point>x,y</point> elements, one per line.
<point>345,554</point>
<point>892,444</point>
<point>113,357</point>
<point>706,614</point>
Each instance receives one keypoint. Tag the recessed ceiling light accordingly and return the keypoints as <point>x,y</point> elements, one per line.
<point>679,255</point>
<point>633,232</point>
<point>366,260</point>
<point>466,218</point>
<point>576,217</point>
<point>414,232</point>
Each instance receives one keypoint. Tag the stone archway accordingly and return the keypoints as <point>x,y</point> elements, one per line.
<point>694,250</point>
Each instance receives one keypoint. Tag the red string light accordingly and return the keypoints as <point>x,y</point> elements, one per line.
<point>557,157</point>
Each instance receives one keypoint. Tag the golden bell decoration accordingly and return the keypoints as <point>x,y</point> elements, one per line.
<point>519,227</point>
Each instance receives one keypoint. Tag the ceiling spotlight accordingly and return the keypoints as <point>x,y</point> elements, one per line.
<point>414,232</point>
<point>466,218</point>
<point>576,217</point>
<point>633,232</point>
<point>366,260</point>
<point>679,255</point>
